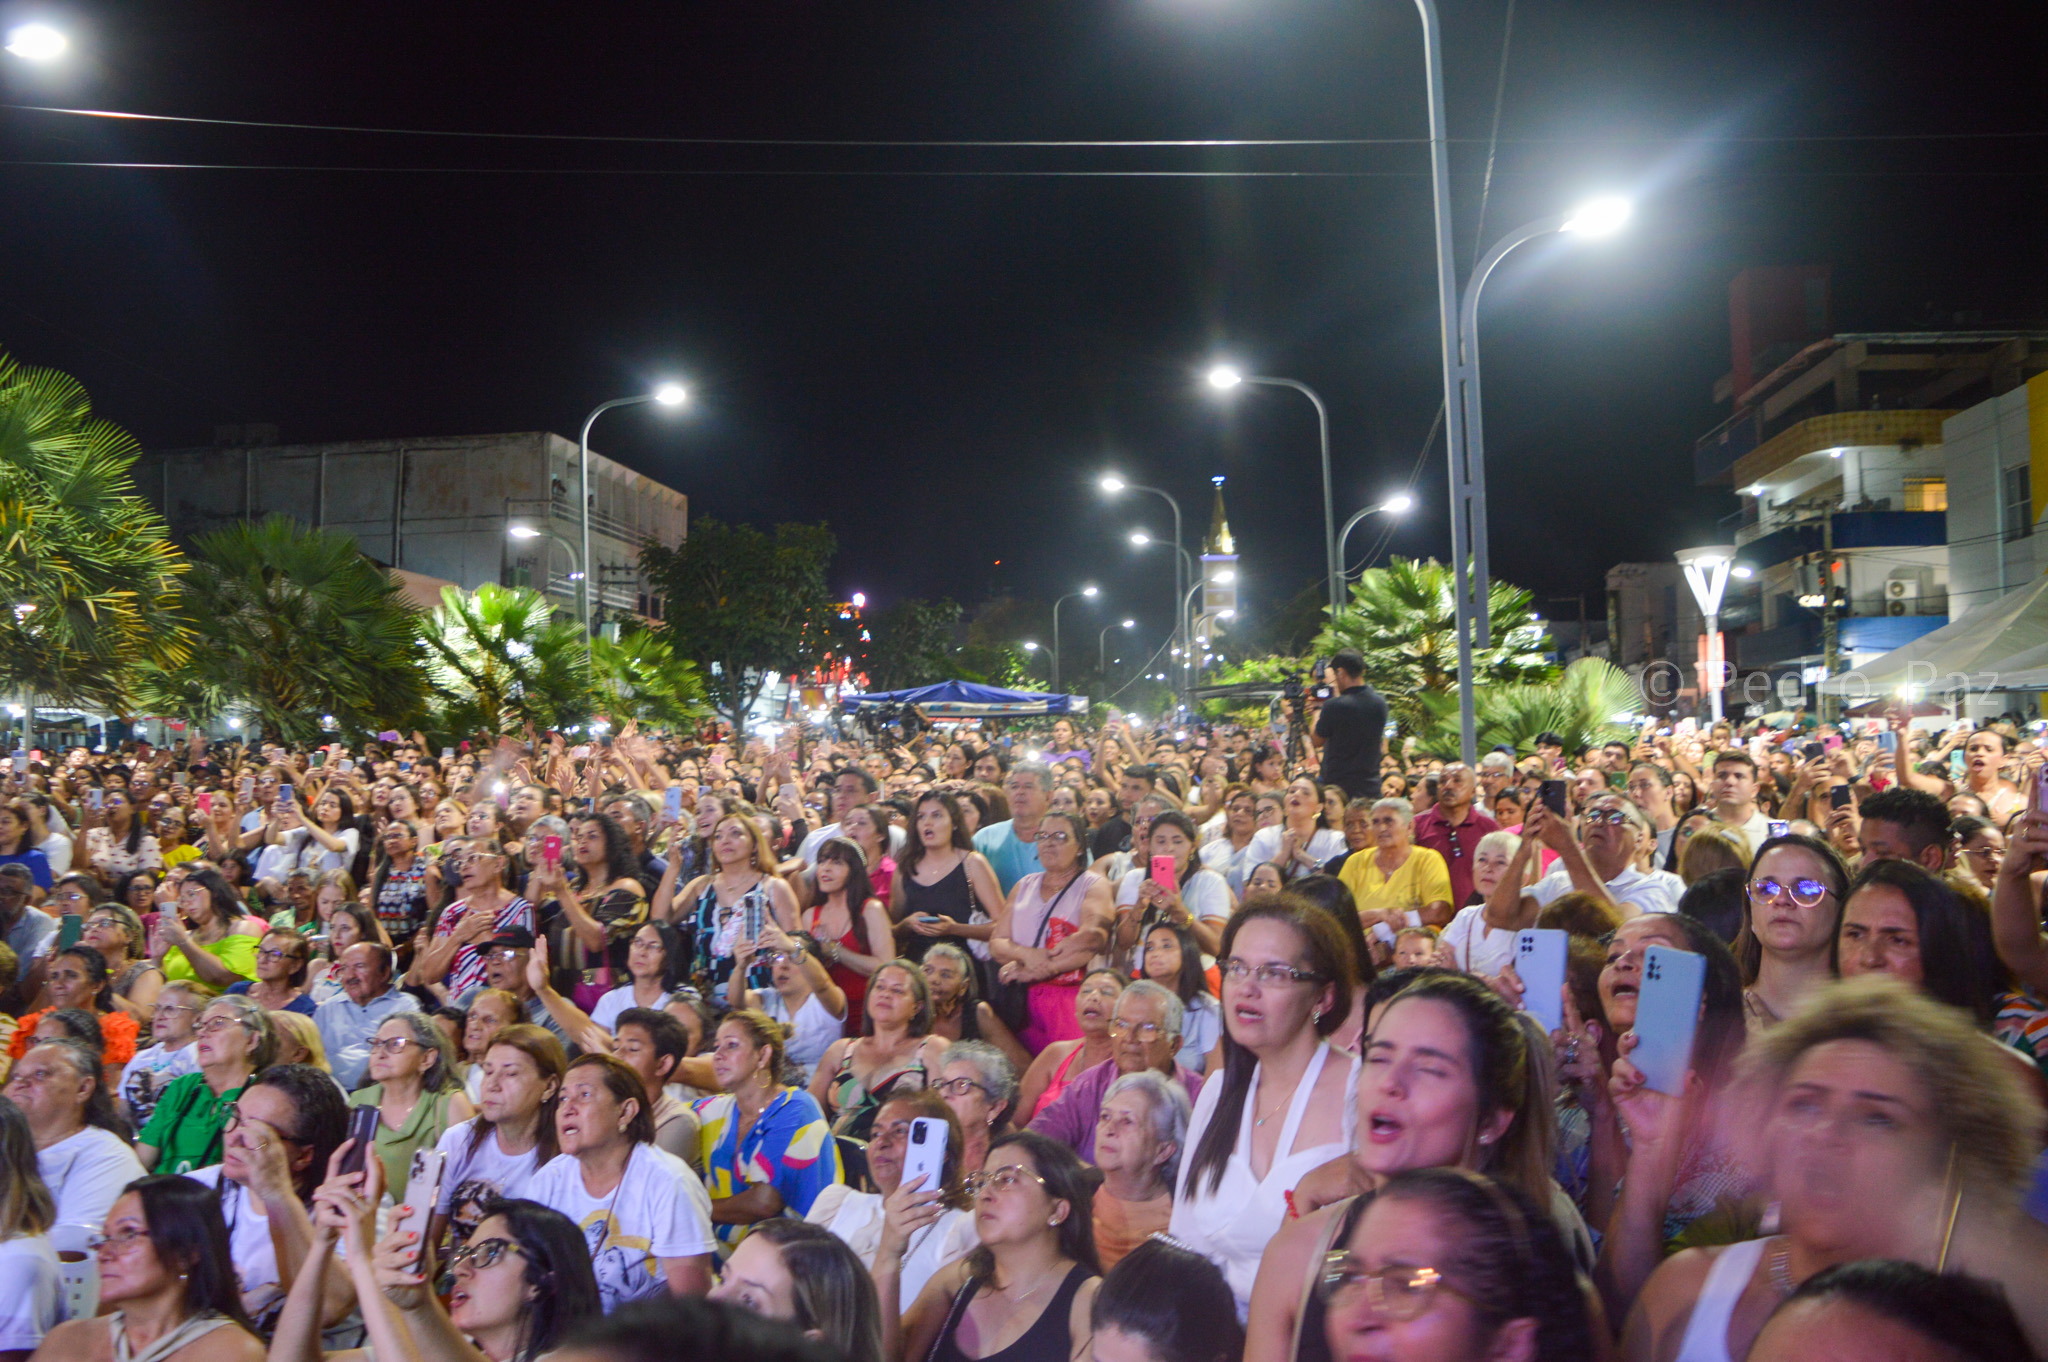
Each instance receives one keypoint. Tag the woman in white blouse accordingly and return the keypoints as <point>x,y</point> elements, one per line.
<point>1282,1103</point>
<point>1303,841</point>
<point>1191,896</point>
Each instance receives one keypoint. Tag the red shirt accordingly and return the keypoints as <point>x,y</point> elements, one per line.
<point>1455,843</point>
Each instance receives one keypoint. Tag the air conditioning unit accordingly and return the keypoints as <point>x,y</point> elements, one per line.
<point>1902,594</point>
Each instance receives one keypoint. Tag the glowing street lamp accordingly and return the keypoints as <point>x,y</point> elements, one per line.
<point>1398,504</point>
<point>1102,645</point>
<point>1090,592</point>
<point>667,395</point>
<point>1707,571</point>
<point>1113,484</point>
<point>1223,378</point>
<point>37,42</point>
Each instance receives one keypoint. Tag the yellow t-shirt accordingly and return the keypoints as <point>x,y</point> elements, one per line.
<point>178,855</point>
<point>1422,878</point>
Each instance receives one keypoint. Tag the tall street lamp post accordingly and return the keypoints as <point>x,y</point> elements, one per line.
<point>1088,591</point>
<point>1223,378</point>
<point>1102,646</point>
<point>1398,504</point>
<point>1183,569</point>
<point>1706,572</point>
<point>1113,484</point>
<point>668,395</point>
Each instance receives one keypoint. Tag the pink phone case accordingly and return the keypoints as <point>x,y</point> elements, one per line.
<point>1163,872</point>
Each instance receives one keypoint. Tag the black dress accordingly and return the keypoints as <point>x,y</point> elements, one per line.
<point>1047,1340</point>
<point>951,897</point>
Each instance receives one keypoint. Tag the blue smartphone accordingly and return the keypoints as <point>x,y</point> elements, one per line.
<point>1539,963</point>
<point>1887,741</point>
<point>1668,1016</point>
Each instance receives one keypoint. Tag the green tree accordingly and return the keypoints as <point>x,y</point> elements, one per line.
<point>1262,670</point>
<point>500,661</point>
<point>295,623</point>
<point>640,677</point>
<point>84,562</point>
<point>911,644</point>
<point>742,603</point>
<point>1578,706</point>
<point>1401,618</point>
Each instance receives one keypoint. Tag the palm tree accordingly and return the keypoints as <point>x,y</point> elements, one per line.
<point>297,624</point>
<point>1402,620</point>
<point>1579,707</point>
<point>638,676</point>
<point>501,661</point>
<point>84,562</point>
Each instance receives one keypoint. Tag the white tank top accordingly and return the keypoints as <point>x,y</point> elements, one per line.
<point>1232,1225</point>
<point>1706,1333</point>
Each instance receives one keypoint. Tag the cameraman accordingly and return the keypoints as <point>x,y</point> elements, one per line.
<point>1351,729</point>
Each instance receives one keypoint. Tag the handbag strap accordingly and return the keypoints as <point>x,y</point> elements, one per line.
<point>1045,923</point>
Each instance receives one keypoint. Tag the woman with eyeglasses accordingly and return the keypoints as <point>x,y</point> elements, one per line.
<point>803,1274</point>
<point>522,1281</point>
<point>1282,1104</point>
<point>644,1214</point>
<point>198,938</point>
<point>234,1041</point>
<point>169,1056</point>
<point>1888,1129</point>
<point>1051,927</point>
<point>1980,846</point>
<point>979,1086</point>
<point>767,1149</point>
<point>860,1218</point>
<point>1025,1293</point>
<point>803,996</point>
<point>483,908</point>
<point>118,935</point>
<point>653,964</point>
<point>1789,920</point>
<point>848,922</point>
<point>896,1049</point>
<point>413,1086</point>
<point>1094,1011</point>
<point>283,960</point>
<point>276,1141</point>
<point>1447,1265</point>
<point>166,1271</point>
<point>513,1136</point>
<point>81,1143</point>
<point>78,977</point>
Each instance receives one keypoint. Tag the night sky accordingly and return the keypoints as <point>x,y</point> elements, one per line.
<point>939,364</point>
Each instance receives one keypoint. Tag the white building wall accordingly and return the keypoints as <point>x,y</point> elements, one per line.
<point>1978,445</point>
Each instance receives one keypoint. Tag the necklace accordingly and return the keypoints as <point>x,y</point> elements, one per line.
<point>1780,1264</point>
<point>1278,1107</point>
<point>1015,1301</point>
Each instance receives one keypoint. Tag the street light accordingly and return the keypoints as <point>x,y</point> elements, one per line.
<point>667,395</point>
<point>521,530</point>
<point>1113,484</point>
<point>1102,646</point>
<point>1223,378</point>
<point>1706,572</point>
<point>1466,433</point>
<point>1398,504</point>
<point>37,42</point>
<point>1088,591</point>
<point>1185,561</point>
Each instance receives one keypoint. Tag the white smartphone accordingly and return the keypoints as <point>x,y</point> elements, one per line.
<point>1668,1016</point>
<point>423,1192</point>
<point>926,1154</point>
<point>1539,962</point>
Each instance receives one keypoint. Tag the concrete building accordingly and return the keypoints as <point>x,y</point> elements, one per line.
<point>435,509</point>
<point>1995,458</point>
<point>1835,451</point>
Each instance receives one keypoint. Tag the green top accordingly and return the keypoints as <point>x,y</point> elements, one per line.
<point>422,1130</point>
<point>236,951</point>
<point>185,1128</point>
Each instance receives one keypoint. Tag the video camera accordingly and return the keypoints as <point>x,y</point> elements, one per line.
<point>1293,687</point>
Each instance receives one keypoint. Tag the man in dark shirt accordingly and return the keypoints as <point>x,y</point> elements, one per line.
<point>1452,828</point>
<point>1351,729</point>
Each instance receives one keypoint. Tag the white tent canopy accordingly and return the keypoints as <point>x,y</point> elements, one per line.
<point>1999,646</point>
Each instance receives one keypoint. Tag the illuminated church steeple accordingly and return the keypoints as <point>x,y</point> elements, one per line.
<point>1219,572</point>
<point>1219,540</point>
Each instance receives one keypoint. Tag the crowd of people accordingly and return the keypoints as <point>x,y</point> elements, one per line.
<point>1043,1043</point>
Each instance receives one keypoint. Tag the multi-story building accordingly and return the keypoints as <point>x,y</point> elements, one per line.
<point>1835,451</point>
<point>437,510</point>
<point>1995,457</point>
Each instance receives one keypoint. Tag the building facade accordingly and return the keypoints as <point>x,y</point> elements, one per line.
<point>439,509</point>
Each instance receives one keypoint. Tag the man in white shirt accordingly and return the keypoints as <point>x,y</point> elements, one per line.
<point>1733,792</point>
<point>851,788</point>
<point>1601,862</point>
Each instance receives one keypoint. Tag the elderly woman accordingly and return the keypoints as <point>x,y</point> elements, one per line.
<point>1398,884</point>
<point>169,1056</point>
<point>81,1144</point>
<point>413,1087</point>
<point>235,1042</point>
<point>117,934</point>
<point>1138,1141</point>
<point>977,1082</point>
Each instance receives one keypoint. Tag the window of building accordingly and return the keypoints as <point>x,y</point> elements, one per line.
<point>2019,502</point>
<point>1926,494</point>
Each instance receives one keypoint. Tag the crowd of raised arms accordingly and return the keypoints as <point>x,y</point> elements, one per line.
<point>1038,1041</point>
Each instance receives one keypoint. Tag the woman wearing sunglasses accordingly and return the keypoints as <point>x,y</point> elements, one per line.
<point>1448,1265</point>
<point>1787,943</point>
<point>1026,1292</point>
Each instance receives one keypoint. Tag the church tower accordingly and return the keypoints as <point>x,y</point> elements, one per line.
<point>1219,572</point>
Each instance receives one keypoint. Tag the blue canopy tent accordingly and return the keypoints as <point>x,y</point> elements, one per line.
<point>966,700</point>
